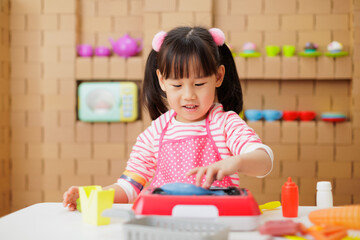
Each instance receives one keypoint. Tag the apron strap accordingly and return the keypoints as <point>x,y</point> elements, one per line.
<point>160,147</point>
<point>164,130</point>
<point>210,136</point>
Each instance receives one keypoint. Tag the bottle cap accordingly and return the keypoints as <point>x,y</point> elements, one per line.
<point>290,183</point>
<point>323,185</point>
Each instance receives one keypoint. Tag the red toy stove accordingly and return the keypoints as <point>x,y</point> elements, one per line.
<point>237,209</point>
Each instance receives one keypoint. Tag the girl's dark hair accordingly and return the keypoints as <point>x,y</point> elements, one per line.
<point>182,47</point>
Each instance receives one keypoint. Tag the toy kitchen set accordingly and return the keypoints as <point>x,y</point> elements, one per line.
<point>231,206</point>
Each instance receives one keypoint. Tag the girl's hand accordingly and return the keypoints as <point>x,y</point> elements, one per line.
<point>70,197</point>
<point>215,171</point>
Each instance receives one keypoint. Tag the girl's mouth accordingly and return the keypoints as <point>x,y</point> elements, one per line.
<point>190,107</point>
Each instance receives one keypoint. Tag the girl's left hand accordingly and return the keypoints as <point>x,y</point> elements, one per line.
<point>215,171</point>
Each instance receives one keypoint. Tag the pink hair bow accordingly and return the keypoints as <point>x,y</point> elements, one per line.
<point>216,33</point>
<point>158,40</point>
<point>218,36</point>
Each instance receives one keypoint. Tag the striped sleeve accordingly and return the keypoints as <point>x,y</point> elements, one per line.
<point>142,161</point>
<point>238,134</point>
<point>242,139</point>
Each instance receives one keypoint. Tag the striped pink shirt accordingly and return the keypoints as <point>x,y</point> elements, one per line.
<point>231,134</point>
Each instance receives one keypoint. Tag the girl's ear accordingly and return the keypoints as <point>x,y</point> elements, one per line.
<point>161,79</point>
<point>220,75</point>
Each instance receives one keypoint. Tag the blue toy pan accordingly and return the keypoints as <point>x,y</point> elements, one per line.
<point>188,189</point>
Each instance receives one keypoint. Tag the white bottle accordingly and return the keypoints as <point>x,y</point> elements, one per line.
<point>324,198</point>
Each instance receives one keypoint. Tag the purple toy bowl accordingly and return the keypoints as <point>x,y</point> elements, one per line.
<point>84,50</point>
<point>102,51</point>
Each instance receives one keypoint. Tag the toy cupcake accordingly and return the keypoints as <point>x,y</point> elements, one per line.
<point>335,47</point>
<point>249,47</point>
<point>310,47</point>
<point>249,50</point>
<point>310,50</point>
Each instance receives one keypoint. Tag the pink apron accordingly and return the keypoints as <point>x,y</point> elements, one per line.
<point>177,157</point>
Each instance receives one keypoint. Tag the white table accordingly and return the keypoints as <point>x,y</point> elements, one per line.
<point>53,221</point>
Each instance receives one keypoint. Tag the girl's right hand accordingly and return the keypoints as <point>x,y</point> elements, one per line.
<point>70,197</point>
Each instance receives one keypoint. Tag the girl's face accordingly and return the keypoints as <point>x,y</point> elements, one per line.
<point>191,97</point>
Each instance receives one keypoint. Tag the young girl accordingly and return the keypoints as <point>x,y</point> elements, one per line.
<point>201,139</point>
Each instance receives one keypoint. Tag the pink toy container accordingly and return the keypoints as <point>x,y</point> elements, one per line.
<point>102,51</point>
<point>84,50</point>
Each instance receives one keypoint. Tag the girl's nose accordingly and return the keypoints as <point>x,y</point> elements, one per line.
<point>189,93</point>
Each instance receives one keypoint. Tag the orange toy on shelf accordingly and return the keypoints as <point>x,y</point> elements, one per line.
<point>347,216</point>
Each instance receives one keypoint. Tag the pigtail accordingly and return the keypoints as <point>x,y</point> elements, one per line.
<point>229,93</point>
<point>152,94</point>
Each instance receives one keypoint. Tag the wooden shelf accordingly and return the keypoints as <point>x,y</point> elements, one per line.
<point>295,68</point>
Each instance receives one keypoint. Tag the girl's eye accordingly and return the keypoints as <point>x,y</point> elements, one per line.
<point>199,84</point>
<point>176,86</point>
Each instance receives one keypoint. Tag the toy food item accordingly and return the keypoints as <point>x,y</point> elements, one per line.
<point>347,216</point>
<point>290,199</point>
<point>333,117</point>
<point>280,228</point>
<point>269,205</point>
<point>328,232</point>
<point>291,237</point>
<point>310,47</point>
<point>351,238</point>
<point>249,47</point>
<point>335,47</point>
<point>94,200</point>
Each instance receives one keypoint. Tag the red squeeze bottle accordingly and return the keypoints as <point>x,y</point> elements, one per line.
<point>290,199</point>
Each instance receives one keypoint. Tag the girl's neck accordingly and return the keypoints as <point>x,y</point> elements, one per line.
<point>188,123</point>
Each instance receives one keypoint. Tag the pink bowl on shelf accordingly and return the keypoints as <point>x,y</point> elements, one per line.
<point>307,115</point>
<point>102,51</point>
<point>84,50</point>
